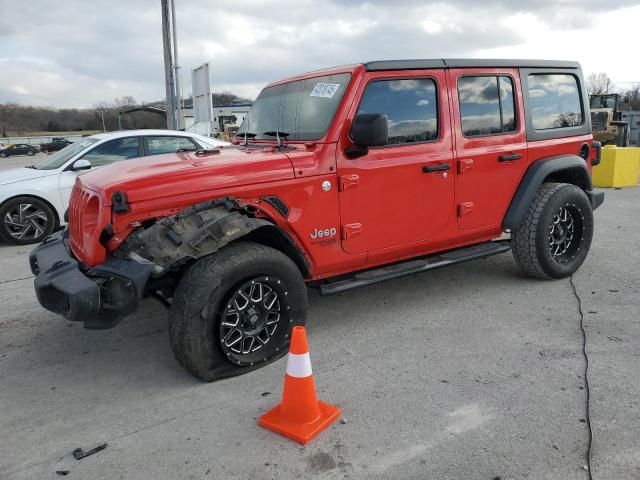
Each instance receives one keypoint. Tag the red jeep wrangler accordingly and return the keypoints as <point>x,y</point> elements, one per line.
<point>339,178</point>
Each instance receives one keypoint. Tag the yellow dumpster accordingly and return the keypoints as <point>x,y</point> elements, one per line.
<point>618,168</point>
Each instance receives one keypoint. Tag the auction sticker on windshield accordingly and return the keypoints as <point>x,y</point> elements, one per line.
<point>325,90</point>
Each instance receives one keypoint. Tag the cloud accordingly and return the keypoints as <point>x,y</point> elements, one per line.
<point>92,51</point>
<point>536,92</point>
<point>422,103</point>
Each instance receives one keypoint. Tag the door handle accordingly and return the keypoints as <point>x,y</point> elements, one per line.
<point>509,158</point>
<point>436,168</point>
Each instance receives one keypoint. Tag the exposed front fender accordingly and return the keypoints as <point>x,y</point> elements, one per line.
<point>190,234</point>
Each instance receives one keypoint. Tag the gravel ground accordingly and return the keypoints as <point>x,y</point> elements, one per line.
<point>471,372</point>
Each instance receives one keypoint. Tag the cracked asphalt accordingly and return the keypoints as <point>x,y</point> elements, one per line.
<point>472,371</point>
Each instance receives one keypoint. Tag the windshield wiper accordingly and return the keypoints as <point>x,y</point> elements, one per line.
<point>277,134</point>
<point>31,166</point>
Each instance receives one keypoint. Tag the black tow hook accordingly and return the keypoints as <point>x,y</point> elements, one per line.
<point>79,454</point>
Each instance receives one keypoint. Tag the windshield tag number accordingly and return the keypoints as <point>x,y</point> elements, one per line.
<point>324,90</point>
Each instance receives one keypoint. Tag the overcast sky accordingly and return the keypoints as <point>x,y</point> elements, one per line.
<point>78,52</point>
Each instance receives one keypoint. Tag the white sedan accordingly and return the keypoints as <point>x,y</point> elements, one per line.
<point>33,199</point>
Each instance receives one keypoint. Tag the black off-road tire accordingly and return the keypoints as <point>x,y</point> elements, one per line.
<point>203,294</point>
<point>531,240</point>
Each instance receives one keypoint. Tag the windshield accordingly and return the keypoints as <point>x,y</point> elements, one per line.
<point>62,156</point>
<point>298,110</point>
<point>603,101</point>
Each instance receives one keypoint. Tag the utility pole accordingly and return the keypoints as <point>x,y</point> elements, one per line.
<point>169,66</point>
<point>176,71</point>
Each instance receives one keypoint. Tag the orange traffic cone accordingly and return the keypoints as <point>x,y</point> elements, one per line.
<point>300,416</point>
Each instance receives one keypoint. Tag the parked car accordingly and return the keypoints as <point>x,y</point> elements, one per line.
<point>18,149</point>
<point>33,199</point>
<point>54,145</point>
<point>342,178</point>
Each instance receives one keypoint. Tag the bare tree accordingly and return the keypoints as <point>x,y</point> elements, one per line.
<point>632,97</point>
<point>599,84</point>
<point>6,111</point>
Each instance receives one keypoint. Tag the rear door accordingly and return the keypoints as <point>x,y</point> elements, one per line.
<point>393,195</point>
<point>490,139</point>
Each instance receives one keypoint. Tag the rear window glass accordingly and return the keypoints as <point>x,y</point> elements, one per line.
<point>554,100</point>
<point>486,105</point>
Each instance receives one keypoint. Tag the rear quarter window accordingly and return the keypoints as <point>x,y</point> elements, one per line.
<point>554,101</point>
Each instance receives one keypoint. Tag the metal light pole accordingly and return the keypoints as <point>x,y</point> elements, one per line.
<point>176,73</point>
<point>168,38</point>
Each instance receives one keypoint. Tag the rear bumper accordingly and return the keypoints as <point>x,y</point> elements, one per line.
<point>596,198</point>
<point>100,296</point>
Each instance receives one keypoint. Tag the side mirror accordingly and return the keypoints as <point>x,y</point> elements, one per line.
<point>81,165</point>
<point>368,130</point>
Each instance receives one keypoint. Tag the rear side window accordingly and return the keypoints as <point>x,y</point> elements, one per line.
<point>487,105</point>
<point>158,145</point>
<point>554,100</point>
<point>410,105</point>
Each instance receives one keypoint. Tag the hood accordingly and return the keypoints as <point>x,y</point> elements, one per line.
<point>22,174</point>
<point>150,178</point>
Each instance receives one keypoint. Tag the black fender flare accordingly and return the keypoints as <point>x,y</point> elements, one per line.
<point>561,168</point>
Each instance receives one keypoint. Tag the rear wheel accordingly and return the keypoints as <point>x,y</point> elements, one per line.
<point>31,153</point>
<point>554,237</point>
<point>233,311</point>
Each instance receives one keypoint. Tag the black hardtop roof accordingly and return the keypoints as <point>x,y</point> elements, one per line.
<point>419,64</point>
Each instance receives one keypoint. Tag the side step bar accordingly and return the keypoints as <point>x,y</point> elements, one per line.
<point>368,277</point>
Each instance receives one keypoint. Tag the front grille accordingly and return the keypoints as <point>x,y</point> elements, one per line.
<point>77,206</point>
<point>599,121</point>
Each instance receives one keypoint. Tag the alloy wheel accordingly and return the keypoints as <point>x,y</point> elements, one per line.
<point>565,233</point>
<point>251,318</point>
<point>26,221</point>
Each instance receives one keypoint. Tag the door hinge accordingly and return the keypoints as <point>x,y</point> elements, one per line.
<point>348,181</point>
<point>465,208</point>
<point>351,230</point>
<point>464,165</point>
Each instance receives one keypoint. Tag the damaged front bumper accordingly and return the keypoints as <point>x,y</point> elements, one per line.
<point>100,296</point>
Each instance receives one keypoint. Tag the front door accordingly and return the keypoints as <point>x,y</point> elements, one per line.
<point>403,192</point>
<point>491,148</point>
<point>104,154</point>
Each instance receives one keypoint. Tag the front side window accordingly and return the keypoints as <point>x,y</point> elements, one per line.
<point>487,105</point>
<point>298,110</point>
<point>554,100</point>
<point>113,151</point>
<point>411,107</point>
<point>158,145</point>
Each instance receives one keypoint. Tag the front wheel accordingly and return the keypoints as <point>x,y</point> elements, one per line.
<point>25,220</point>
<point>233,311</point>
<point>31,153</point>
<point>553,239</point>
